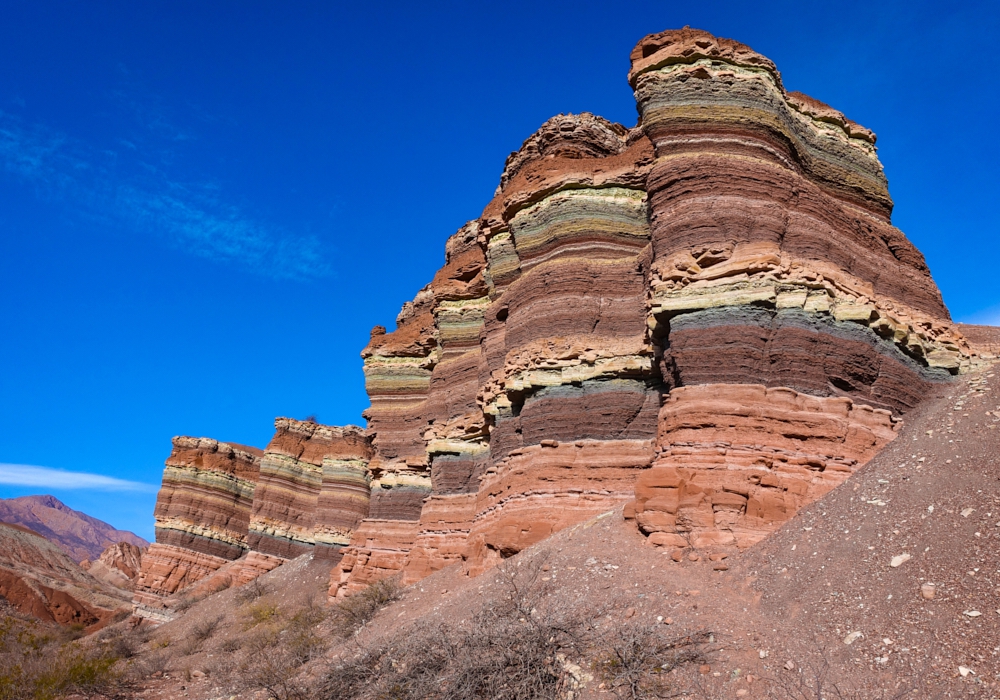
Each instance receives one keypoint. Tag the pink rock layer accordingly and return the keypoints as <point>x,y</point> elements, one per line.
<point>735,461</point>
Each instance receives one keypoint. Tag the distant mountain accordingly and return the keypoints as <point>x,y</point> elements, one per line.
<point>39,579</point>
<point>80,535</point>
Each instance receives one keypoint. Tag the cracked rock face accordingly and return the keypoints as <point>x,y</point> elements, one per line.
<point>708,317</point>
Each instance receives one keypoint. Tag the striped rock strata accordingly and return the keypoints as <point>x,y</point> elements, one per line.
<point>709,317</point>
<point>228,513</point>
<point>202,518</point>
<point>312,492</point>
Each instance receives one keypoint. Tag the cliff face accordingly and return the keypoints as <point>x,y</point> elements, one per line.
<point>709,317</point>
<point>227,513</point>
<point>313,491</point>
<point>202,518</point>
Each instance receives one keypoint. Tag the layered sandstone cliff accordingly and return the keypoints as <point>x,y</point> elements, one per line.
<point>312,492</point>
<point>202,518</point>
<point>227,513</point>
<point>709,317</point>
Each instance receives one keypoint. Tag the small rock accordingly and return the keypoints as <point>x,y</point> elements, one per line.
<point>742,693</point>
<point>677,555</point>
<point>717,556</point>
<point>927,591</point>
<point>972,613</point>
<point>720,566</point>
<point>899,560</point>
<point>668,621</point>
<point>694,557</point>
<point>852,637</point>
<point>630,612</point>
<point>790,665</point>
<point>704,669</point>
<point>197,674</point>
<point>763,653</point>
<point>550,443</point>
<point>965,671</point>
<point>966,512</point>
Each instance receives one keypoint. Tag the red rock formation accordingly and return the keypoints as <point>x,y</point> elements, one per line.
<point>202,518</point>
<point>708,316</point>
<point>37,578</point>
<point>313,489</point>
<point>984,340</point>
<point>730,258</point>
<point>80,535</point>
<point>119,565</point>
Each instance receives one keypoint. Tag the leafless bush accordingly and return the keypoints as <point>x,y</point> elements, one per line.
<point>206,628</point>
<point>251,591</point>
<point>357,610</point>
<point>521,647</point>
<point>822,683</point>
<point>232,644</point>
<point>273,650</point>
<point>122,641</point>
<point>637,657</point>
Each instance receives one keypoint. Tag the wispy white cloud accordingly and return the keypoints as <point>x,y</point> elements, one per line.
<point>120,189</point>
<point>46,477</point>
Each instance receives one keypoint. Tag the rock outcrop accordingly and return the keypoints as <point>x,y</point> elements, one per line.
<point>119,565</point>
<point>202,518</point>
<point>314,489</point>
<point>227,513</point>
<point>709,317</point>
<point>39,579</point>
<point>80,535</point>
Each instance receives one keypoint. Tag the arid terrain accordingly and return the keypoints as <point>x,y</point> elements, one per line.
<point>682,414</point>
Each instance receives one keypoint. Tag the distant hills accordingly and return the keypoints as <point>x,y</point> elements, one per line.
<point>80,535</point>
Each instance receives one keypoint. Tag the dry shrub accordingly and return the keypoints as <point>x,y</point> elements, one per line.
<point>355,611</point>
<point>206,628</point>
<point>637,657</point>
<point>521,647</point>
<point>822,682</point>
<point>259,613</point>
<point>251,591</point>
<point>43,664</point>
<point>274,649</point>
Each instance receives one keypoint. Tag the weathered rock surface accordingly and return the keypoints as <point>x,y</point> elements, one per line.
<point>80,535</point>
<point>313,489</point>
<point>119,565</point>
<point>202,518</point>
<point>709,316</point>
<point>37,578</point>
<point>228,513</point>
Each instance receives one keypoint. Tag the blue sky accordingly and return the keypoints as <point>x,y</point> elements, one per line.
<point>205,207</point>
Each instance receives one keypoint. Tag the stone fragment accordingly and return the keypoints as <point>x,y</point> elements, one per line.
<point>899,560</point>
<point>927,591</point>
<point>852,637</point>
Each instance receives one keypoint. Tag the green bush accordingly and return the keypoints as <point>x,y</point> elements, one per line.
<point>42,664</point>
